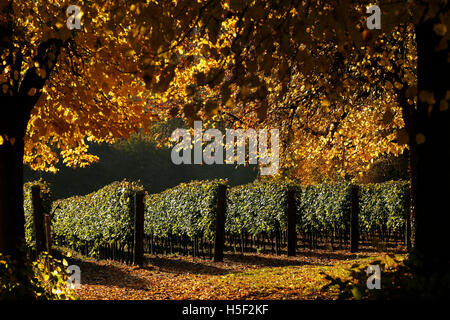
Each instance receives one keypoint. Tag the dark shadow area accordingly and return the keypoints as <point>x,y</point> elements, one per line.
<point>107,275</point>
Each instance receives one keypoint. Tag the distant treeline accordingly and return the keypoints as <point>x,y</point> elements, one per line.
<point>139,160</point>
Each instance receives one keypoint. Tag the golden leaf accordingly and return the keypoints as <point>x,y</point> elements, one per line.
<point>411,92</point>
<point>440,29</point>
<point>245,91</point>
<point>420,138</point>
<point>211,107</point>
<point>325,103</point>
<point>31,92</point>
<point>388,116</point>
<point>427,97</point>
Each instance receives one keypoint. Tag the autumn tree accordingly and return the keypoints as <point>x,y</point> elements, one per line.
<point>250,57</point>
<point>254,63</point>
<point>60,88</point>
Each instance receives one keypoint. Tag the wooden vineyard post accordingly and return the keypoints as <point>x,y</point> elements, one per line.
<point>48,233</point>
<point>292,232</point>
<point>138,256</point>
<point>354,218</point>
<point>220,223</point>
<point>38,219</point>
<point>195,251</point>
<point>277,239</point>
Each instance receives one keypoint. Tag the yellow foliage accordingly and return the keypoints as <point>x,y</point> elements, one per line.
<point>269,66</point>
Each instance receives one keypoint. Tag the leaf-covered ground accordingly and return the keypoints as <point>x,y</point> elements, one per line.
<point>248,276</point>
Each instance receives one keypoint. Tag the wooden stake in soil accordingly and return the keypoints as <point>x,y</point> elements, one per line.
<point>220,223</point>
<point>48,233</point>
<point>138,258</point>
<point>354,219</point>
<point>277,240</point>
<point>292,233</point>
<point>38,219</point>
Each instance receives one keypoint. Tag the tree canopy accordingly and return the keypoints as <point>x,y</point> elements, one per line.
<point>77,86</point>
<point>308,67</point>
<point>340,93</point>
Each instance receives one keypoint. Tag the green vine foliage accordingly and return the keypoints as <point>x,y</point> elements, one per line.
<point>47,200</point>
<point>261,206</point>
<point>257,207</point>
<point>383,205</point>
<point>97,219</point>
<point>324,207</point>
<point>188,209</point>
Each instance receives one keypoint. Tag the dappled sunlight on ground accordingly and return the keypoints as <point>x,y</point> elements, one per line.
<point>247,276</point>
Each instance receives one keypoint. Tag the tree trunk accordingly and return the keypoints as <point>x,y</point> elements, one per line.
<point>12,221</point>
<point>432,126</point>
<point>408,114</point>
<point>19,104</point>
